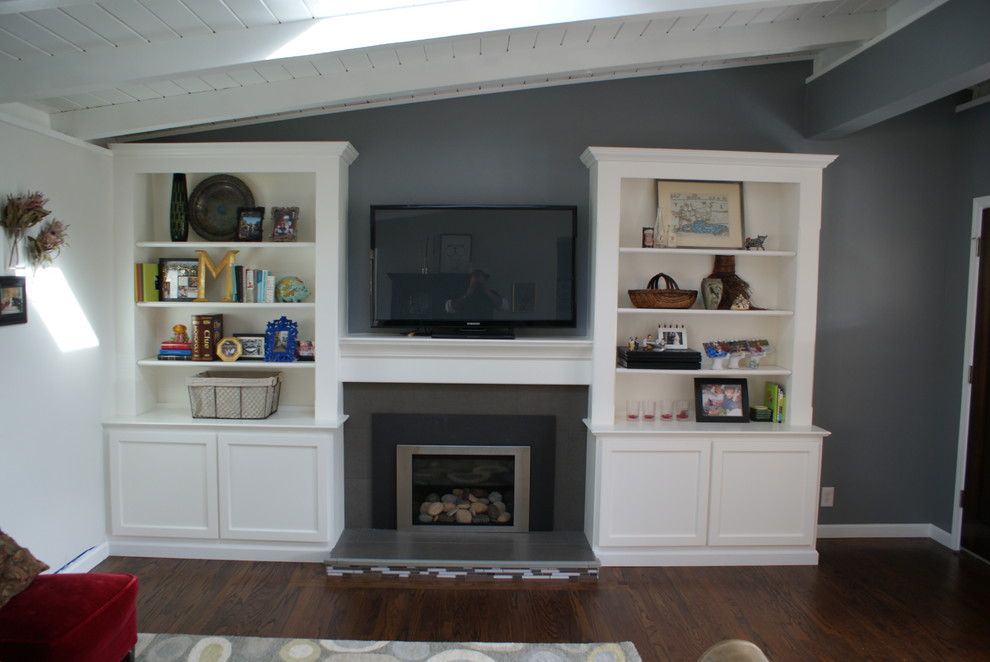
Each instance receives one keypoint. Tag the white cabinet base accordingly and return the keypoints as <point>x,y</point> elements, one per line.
<point>163,483</point>
<point>273,487</point>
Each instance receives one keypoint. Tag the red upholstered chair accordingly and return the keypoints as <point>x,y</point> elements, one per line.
<point>79,617</point>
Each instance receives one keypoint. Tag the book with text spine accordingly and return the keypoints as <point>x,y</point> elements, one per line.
<point>269,287</point>
<point>207,331</point>
<point>249,286</point>
<point>149,281</point>
<point>174,352</point>
<point>239,284</point>
<point>775,401</point>
<point>169,344</point>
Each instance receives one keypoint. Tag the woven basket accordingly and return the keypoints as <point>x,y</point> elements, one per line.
<point>230,394</point>
<point>669,297</point>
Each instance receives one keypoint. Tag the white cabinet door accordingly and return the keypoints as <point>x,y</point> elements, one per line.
<point>163,483</point>
<point>654,492</point>
<point>273,486</point>
<point>764,492</point>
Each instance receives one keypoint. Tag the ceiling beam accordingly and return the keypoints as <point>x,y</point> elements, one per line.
<point>943,52</point>
<point>293,95</point>
<point>78,73</point>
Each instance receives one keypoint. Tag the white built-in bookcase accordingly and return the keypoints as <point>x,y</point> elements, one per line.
<point>311,176</point>
<point>701,479</point>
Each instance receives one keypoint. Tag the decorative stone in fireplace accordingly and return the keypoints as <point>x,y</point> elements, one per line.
<point>488,466</point>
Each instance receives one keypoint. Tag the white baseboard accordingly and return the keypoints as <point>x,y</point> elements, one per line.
<point>886,531</point>
<point>220,551</point>
<point>691,556</point>
<point>87,560</point>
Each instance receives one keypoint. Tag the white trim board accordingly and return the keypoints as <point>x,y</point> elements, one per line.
<point>937,534</point>
<point>301,552</point>
<point>684,557</point>
<point>87,560</point>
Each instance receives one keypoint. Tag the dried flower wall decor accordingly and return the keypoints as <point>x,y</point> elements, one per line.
<point>20,213</point>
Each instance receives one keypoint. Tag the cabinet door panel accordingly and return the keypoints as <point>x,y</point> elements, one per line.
<point>764,492</point>
<point>273,486</point>
<point>163,483</point>
<point>654,492</point>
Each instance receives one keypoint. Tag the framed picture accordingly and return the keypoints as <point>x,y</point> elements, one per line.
<point>455,253</point>
<point>178,279</point>
<point>672,337</point>
<point>13,300</point>
<point>252,346</point>
<point>284,223</point>
<point>249,222</point>
<point>701,214</point>
<point>229,349</point>
<point>721,400</point>
<point>305,350</point>
<point>280,340</point>
<point>523,297</point>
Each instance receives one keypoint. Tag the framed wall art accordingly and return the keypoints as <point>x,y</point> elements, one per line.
<point>721,400</point>
<point>13,300</point>
<point>701,214</point>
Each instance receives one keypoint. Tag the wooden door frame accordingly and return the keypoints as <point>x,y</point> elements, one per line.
<point>979,204</point>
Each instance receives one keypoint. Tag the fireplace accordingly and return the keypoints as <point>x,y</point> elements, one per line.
<point>419,460</point>
<point>470,488</point>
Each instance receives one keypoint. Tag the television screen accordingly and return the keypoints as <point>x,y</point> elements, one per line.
<point>481,266</point>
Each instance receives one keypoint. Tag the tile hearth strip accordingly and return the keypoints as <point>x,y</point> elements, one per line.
<point>545,555</point>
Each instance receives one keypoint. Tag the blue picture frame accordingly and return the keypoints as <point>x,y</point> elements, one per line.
<point>280,340</point>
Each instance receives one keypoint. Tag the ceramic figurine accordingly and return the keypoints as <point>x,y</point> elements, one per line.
<point>179,333</point>
<point>711,292</point>
<point>756,242</point>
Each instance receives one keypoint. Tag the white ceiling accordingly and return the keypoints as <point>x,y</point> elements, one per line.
<point>112,68</point>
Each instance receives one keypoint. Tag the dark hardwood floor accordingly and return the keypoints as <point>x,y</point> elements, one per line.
<point>867,600</point>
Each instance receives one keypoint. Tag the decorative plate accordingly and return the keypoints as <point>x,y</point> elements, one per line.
<point>213,206</point>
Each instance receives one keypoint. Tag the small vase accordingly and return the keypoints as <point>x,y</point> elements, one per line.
<point>178,214</point>
<point>711,292</point>
<point>17,257</point>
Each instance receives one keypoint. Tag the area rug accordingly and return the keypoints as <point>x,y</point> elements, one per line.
<point>199,648</point>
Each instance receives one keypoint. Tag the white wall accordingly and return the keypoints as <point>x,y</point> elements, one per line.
<point>52,402</point>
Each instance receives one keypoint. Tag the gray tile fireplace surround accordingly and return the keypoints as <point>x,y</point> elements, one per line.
<point>558,552</point>
<point>568,404</point>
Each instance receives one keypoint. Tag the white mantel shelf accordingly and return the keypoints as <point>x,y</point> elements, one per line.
<point>695,429</point>
<point>423,360</point>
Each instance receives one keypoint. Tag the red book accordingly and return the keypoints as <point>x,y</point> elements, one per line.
<point>168,344</point>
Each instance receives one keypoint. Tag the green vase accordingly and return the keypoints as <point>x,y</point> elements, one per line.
<point>178,214</point>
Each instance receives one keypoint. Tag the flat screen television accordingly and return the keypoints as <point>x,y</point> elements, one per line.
<point>473,269</point>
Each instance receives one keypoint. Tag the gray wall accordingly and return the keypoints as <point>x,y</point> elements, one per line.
<point>896,218</point>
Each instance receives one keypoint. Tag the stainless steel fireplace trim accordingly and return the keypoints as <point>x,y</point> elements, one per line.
<point>403,486</point>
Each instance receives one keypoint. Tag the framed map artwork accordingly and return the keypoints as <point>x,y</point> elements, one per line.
<point>701,214</point>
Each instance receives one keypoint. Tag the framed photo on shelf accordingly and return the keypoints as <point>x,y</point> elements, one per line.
<point>721,400</point>
<point>178,279</point>
<point>13,300</point>
<point>280,340</point>
<point>229,349</point>
<point>701,214</point>
<point>249,223</point>
<point>252,346</point>
<point>284,223</point>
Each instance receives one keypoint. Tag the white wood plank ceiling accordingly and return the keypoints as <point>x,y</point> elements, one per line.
<point>112,68</point>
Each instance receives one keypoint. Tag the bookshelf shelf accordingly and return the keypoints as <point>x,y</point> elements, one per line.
<point>240,245</point>
<point>152,362</point>
<point>227,305</point>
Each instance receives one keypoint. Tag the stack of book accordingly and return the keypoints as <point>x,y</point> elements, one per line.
<point>145,282</point>
<point>254,285</point>
<point>668,359</point>
<point>175,351</point>
<point>207,330</point>
<point>776,401</point>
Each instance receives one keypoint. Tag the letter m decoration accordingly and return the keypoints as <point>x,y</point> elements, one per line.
<point>207,265</point>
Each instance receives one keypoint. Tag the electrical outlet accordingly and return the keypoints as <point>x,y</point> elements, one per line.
<point>828,497</point>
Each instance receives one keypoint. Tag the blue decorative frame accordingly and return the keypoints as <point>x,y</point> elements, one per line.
<point>272,331</point>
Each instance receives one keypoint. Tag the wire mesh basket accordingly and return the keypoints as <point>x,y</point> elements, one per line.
<point>227,394</point>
